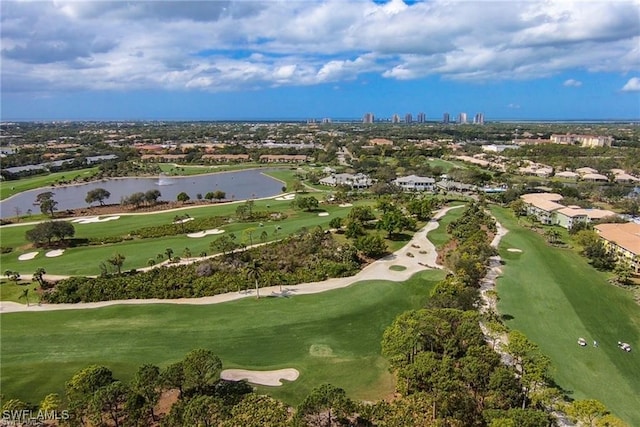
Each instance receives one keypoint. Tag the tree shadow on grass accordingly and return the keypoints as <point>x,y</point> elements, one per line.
<point>507,317</point>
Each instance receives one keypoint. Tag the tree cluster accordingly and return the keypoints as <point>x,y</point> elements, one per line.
<point>307,257</point>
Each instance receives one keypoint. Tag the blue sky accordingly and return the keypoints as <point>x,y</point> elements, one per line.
<point>218,60</point>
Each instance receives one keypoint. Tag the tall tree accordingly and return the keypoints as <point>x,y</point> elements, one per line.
<point>97,195</point>
<point>201,369</point>
<point>147,384</point>
<point>38,276</point>
<point>117,260</point>
<point>47,204</point>
<point>254,272</point>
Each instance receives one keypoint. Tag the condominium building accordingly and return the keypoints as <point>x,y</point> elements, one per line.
<point>623,240</point>
<point>395,118</point>
<point>478,119</point>
<point>446,118</point>
<point>583,140</point>
<point>462,118</point>
<point>368,118</point>
<point>422,117</point>
<point>408,118</point>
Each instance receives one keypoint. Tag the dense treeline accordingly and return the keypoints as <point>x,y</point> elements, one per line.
<point>307,257</point>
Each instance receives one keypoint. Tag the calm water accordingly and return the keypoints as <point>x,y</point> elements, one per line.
<point>237,185</point>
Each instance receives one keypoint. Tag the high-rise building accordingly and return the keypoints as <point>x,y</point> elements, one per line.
<point>479,119</point>
<point>462,118</point>
<point>408,118</point>
<point>395,118</point>
<point>445,118</point>
<point>368,118</point>
<point>422,117</point>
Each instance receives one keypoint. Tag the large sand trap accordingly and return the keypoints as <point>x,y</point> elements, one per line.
<point>323,214</point>
<point>271,378</point>
<point>514,250</point>
<point>286,197</point>
<point>93,219</point>
<point>182,221</point>
<point>54,253</point>
<point>345,205</point>
<point>205,233</point>
<point>27,256</point>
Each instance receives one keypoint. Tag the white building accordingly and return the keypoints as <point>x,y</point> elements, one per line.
<point>357,181</point>
<point>415,183</point>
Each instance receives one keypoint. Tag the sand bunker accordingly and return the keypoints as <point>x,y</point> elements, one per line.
<point>323,214</point>
<point>270,378</point>
<point>286,197</point>
<point>27,256</point>
<point>92,219</point>
<point>54,253</point>
<point>345,205</point>
<point>205,233</point>
<point>514,250</point>
<point>182,221</point>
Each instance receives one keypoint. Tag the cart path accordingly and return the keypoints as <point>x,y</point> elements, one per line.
<point>375,271</point>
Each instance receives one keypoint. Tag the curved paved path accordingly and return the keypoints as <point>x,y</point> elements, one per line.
<point>375,271</point>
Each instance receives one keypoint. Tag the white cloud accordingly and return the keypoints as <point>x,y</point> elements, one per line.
<point>225,45</point>
<point>572,83</point>
<point>633,85</point>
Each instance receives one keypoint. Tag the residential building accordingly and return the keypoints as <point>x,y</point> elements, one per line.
<point>357,181</point>
<point>462,118</point>
<point>284,158</point>
<point>545,207</point>
<point>446,118</point>
<point>395,118</point>
<point>226,157</point>
<point>380,141</point>
<point>479,119</point>
<point>408,118</point>
<point>415,183</point>
<point>623,240</point>
<point>368,118</point>
<point>583,140</point>
<point>422,117</point>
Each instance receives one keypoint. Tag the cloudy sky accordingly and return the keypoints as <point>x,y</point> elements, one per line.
<point>312,59</point>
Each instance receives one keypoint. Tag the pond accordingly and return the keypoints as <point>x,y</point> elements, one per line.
<point>238,185</point>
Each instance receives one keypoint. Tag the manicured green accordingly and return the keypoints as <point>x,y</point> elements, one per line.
<point>188,170</point>
<point>555,297</point>
<point>10,291</point>
<point>10,188</point>
<point>86,259</point>
<point>439,237</point>
<point>329,337</point>
<point>397,268</point>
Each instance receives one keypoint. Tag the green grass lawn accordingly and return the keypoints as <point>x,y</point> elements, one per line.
<point>85,260</point>
<point>10,188</point>
<point>329,337</point>
<point>10,291</point>
<point>439,237</point>
<point>554,296</point>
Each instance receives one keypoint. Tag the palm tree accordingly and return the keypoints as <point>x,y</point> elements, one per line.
<point>117,260</point>
<point>38,276</point>
<point>254,271</point>
<point>25,295</point>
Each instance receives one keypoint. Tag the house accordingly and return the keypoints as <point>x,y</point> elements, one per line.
<point>357,181</point>
<point>572,215</point>
<point>163,157</point>
<point>284,158</point>
<point>415,183</point>
<point>595,177</point>
<point>226,157</point>
<point>567,174</point>
<point>585,170</point>
<point>380,141</point>
<point>623,240</point>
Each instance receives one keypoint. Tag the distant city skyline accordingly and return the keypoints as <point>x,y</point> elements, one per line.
<point>264,60</point>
